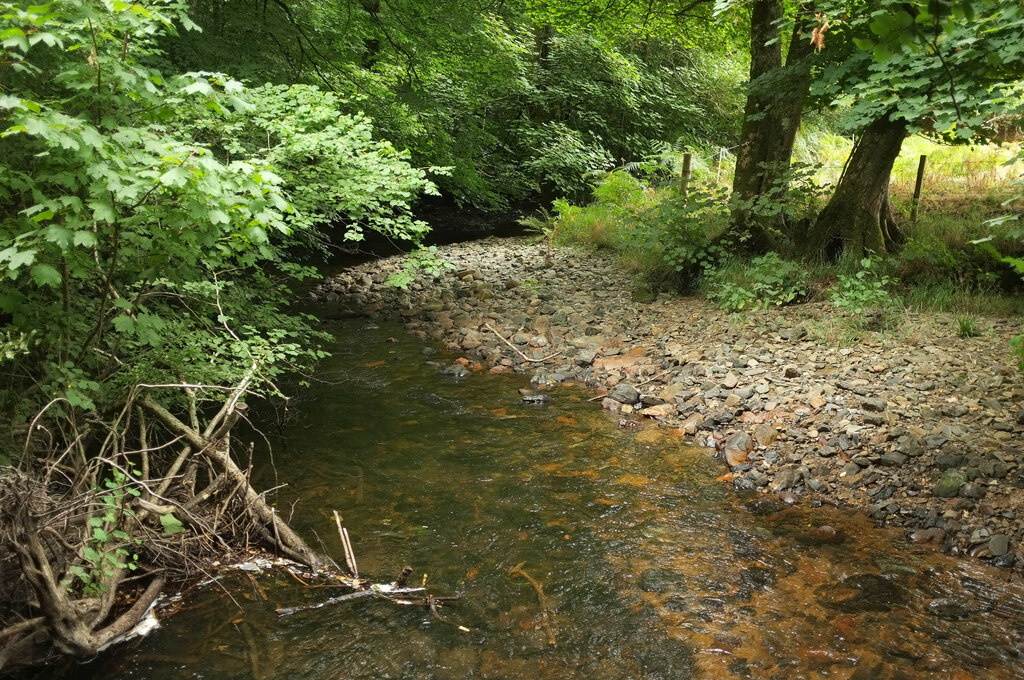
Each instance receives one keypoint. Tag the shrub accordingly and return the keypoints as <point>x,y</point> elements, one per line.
<point>689,231</point>
<point>867,289</point>
<point>766,281</point>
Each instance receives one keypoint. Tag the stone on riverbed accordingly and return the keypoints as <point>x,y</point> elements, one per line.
<point>737,448</point>
<point>949,485</point>
<point>624,394</point>
<point>872,404</point>
<point>661,581</point>
<point>659,411</point>
<point>861,593</point>
<point>765,434</point>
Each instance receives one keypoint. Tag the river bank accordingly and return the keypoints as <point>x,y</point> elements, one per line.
<point>919,427</point>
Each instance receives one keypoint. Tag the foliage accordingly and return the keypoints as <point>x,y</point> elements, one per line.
<point>765,281</point>
<point>333,172</point>
<point>420,261</point>
<point>950,66</point>
<point>690,230</point>
<point>107,548</point>
<point>866,290</point>
<point>144,223</point>
<point>562,158</point>
<point>514,98</point>
<point>542,227</point>
<point>794,194</point>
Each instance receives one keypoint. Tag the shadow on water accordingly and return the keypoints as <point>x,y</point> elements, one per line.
<point>649,567</point>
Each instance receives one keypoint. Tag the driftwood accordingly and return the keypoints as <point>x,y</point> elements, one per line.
<point>517,350</point>
<point>396,592</point>
<point>92,522</point>
<point>346,545</point>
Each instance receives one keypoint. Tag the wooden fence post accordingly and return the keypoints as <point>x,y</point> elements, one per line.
<point>684,180</point>
<point>917,188</point>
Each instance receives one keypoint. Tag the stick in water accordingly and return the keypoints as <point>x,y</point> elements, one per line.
<point>544,610</point>
<point>346,544</point>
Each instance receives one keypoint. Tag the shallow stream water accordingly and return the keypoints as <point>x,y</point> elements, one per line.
<point>649,566</point>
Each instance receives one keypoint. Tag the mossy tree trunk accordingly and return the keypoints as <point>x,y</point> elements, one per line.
<point>859,216</point>
<point>771,118</point>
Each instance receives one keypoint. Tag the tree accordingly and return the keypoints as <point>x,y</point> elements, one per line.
<point>771,118</point>
<point>917,65</point>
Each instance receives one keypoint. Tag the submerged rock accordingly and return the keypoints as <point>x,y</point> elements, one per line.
<point>661,581</point>
<point>861,593</point>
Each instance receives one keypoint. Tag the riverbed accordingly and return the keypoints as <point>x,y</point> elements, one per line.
<point>650,567</point>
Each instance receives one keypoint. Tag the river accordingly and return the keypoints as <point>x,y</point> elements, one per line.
<point>649,567</point>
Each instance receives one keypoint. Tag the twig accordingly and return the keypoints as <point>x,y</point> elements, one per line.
<point>517,350</point>
<point>346,544</point>
<point>652,379</point>
<point>544,609</point>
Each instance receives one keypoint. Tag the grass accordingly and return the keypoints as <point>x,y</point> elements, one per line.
<point>967,327</point>
<point>947,296</point>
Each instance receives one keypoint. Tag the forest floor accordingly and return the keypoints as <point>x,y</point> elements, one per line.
<point>917,426</point>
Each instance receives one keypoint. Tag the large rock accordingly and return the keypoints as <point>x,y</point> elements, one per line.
<point>691,424</point>
<point>999,544</point>
<point>624,394</point>
<point>873,404</point>
<point>737,448</point>
<point>785,478</point>
<point>586,357</point>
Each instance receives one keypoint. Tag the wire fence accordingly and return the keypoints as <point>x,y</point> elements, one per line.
<point>951,176</point>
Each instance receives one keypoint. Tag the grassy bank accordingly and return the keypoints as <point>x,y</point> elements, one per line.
<point>673,245</point>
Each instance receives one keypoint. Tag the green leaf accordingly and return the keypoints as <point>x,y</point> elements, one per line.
<point>84,238</point>
<point>45,275</point>
<point>124,324</point>
<point>103,212</point>
<point>171,524</point>
<point>16,259</point>
<point>175,177</point>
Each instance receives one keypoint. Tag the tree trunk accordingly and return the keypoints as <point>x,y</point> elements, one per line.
<point>771,118</point>
<point>859,217</point>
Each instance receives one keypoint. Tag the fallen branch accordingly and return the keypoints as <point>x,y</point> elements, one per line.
<point>545,611</point>
<point>517,350</point>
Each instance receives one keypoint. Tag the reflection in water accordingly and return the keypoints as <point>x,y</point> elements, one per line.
<point>648,567</point>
